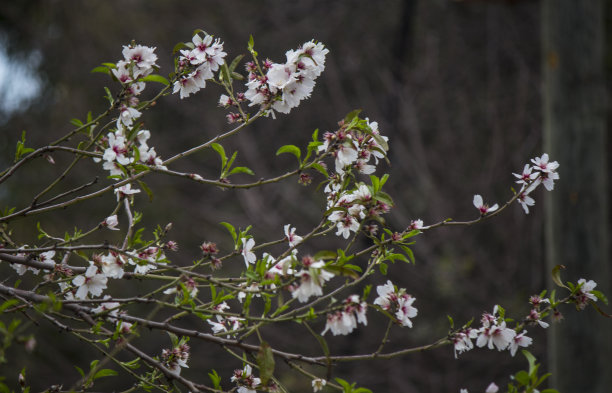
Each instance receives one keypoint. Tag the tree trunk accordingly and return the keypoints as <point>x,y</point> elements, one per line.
<point>577,216</point>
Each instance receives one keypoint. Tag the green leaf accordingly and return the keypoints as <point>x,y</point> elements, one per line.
<point>320,168</point>
<point>235,62</point>
<point>345,385</point>
<point>384,198</point>
<point>265,361</point>
<point>532,361</point>
<point>556,276</point>
<point>292,149</point>
<point>242,169</point>
<point>221,151</point>
<point>156,78</point>
<point>225,74</point>
<point>231,161</point>
<point>599,295</point>
<point>105,372</point>
<point>102,69</point>
<point>383,268</point>
<point>179,46</point>
<point>132,364</point>
<point>237,76</point>
<point>146,188</point>
<point>80,370</point>
<point>522,377</point>
<point>351,115</point>
<point>216,379</point>
<point>410,254</point>
<point>231,230</point>
<point>76,122</point>
<point>8,303</point>
<point>251,46</point>
<point>109,96</point>
<point>325,255</point>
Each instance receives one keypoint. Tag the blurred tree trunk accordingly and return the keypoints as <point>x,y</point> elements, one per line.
<point>577,233</point>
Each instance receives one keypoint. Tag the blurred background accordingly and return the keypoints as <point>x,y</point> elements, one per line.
<point>459,87</point>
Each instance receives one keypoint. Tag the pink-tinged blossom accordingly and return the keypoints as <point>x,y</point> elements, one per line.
<point>225,101</point>
<point>190,286</point>
<point>112,265</point>
<point>311,281</point>
<point>585,294</point>
<point>525,201</point>
<point>345,155</point>
<point>548,171</point>
<point>462,340</point>
<point>520,340</point>
<point>344,321</point>
<point>535,317</point>
<point>142,56</point>
<point>112,308</point>
<point>492,388</point>
<point>248,255</point>
<point>246,381</point>
<point>345,223</point>
<point>291,237</point>
<point>482,207</point>
<point>318,384</point>
<point>386,295</point>
<point>111,222</point>
<point>416,224</point>
<point>125,191</point>
<point>90,282</point>
<point>496,335</point>
<point>405,310</point>
<point>117,150</point>
<point>47,256</point>
<point>542,164</point>
<point>527,176</point>
<point>127,115</point>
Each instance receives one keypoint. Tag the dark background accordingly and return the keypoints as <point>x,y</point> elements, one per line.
<point>455,85</point>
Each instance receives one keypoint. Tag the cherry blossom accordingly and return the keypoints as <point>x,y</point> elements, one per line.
<point>142,56</point>
<point>291,237</point>
<point>484,209</point>
<point>520,340</point>
<point>585,294</point>
<point>125,191</point>
<point>90,282</point>
<point>247,246</point>
<point>112,265</point>
<point>111,222</point>
<point>318,384</point>
<point>311,281</point>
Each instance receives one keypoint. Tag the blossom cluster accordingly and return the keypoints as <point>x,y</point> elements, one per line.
<point>391,299</point>
<point>493,333</point>
<point>344,321</point>
<point>198,64</point>
<point>176,357</point>
<point>223,323</point>
<point>541,171</point>
<point>245,380</point>
<point>310,278</point>
<point>281,87</point>
<point>119,146</point>
<point>102,267</point>
<point>353,147</point>
<point>138,61</point>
